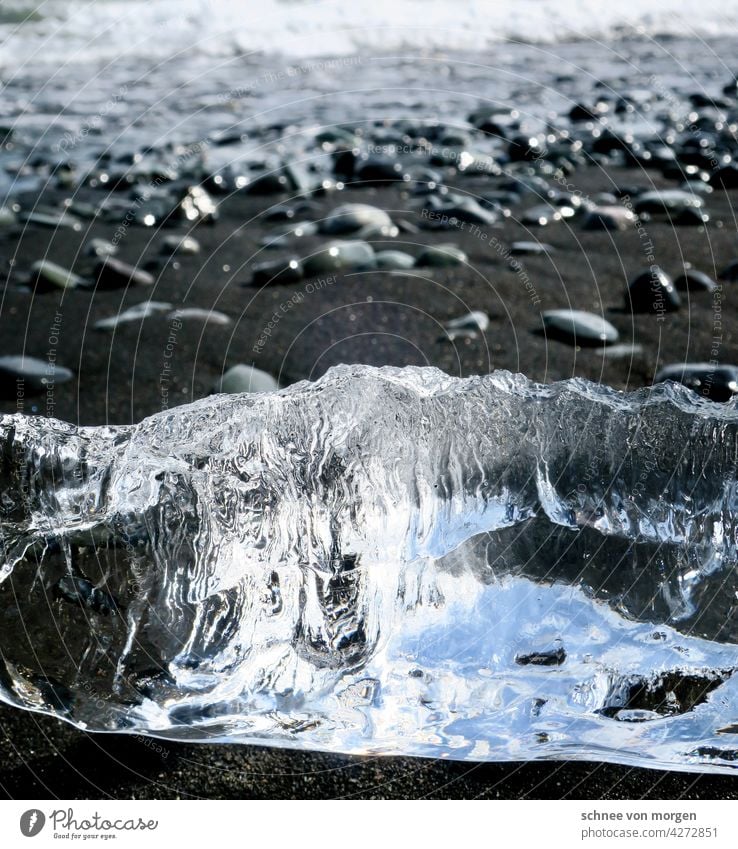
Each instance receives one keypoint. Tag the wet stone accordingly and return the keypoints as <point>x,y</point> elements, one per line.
<point>441,256</point>
<point>244,378</point>
<point>578,327</point>
<point>716,382</point>
<point>36,375</point>
<point>652,291</point>
<point>695,281</point>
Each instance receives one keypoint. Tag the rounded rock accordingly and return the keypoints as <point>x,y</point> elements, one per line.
<point>578,327</point>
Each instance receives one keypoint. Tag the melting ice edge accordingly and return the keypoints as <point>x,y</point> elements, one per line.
<point>387,561</point>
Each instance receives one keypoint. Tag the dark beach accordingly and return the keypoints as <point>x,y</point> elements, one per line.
<point>297,331</point>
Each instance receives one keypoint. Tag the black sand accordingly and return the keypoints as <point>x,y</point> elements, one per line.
<point>374,318</point>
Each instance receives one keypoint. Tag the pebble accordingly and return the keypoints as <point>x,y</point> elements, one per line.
<point>48,275</point>
<point>199,314</point>
<point>666,201</point>
<point>466,326</point>
<point>100,247</point>
<point>578,327</point>
<point>441,256</point>
<point>112,273</point>
<point>243,378</point>
<point>339,256</point>
<point>716,382</point>
<point>531,249</point>
<point>279,271</point>
<point>393,261</point>
<point>695,281</point>
<point>358,219</point>
<point>179,245</point>
<point>135,313</point>
<point>37,375</point>
<point>619,352</point>
<point>53,219</point>
<point>610,217</point>
<point>652,291</point>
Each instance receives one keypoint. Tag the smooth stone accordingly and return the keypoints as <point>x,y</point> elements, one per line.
<point>393,261</point>
<point>448,215</point>
<point>242,378</point>
<point>51,219</point>
<point>284,238</point>
<point>179,245</point>
<point>466,326</point>
<point>542,215</point>
<point>531,249</point>
<point>695,281</point>
<point>99,248</point>
<point>359,219</point>
<point>725,177</point>
<point>619,352</point>
<point>474,320</point>
<point>48,275</point>
<point>37,375</point>
<point>441,256</point>
<point>339,256</point>
<point>578,327</point>
<point>112,273</point>
<point>7,216</point>
<point>378,169</point>
<point>610,217</point>
<point>691,217</point>
<point>279,271</point>
<point>198,314</point>
<point>666,201</point>
<point>716,382</point>
<point>652,291</point>
<point>135,313</point>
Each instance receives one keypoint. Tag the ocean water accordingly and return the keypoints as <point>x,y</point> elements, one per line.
<point>61,31</point>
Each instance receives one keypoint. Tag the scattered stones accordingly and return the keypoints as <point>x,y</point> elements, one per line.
<point>358,219</point>
<point>134,313</point>
<point>716,382</point>
<point>441,256</point>
<point>112,273</point>
<point>695,281</point>
<point>279,271</point>
<point>196,206</point>
<point>47,275</point>
<point>652,291</point>
<point>199,314</point>
<point>172,245</point>
<point>578,327</point>
<point>36,375</point>
<point>339,256</point>
<point>243,378</point>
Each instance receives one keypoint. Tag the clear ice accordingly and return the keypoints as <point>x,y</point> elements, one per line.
<point>385,561</point>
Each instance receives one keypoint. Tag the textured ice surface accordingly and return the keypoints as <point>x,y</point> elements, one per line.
<point>385,561</point>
